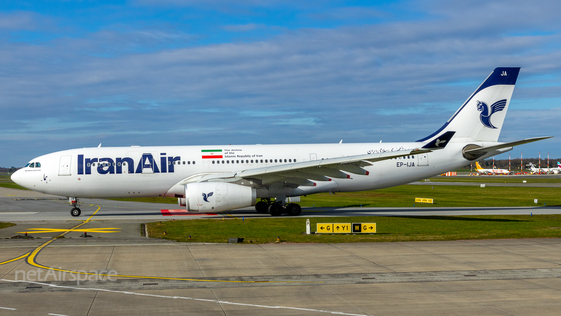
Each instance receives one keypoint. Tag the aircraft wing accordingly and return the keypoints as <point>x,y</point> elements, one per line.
<point>320,170</point>
<point>299,173</point>
<point>481,151</point>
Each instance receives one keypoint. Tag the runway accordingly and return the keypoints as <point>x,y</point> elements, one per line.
<point>121,272</point>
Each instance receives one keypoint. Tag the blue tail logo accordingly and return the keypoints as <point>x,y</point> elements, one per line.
<point>487,112</point>
<point>206,196</point>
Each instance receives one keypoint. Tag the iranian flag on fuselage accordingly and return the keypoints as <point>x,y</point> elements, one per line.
<point>212,153</point>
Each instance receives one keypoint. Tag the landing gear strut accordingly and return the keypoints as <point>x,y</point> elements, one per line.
<point>277,208</point>
<point>75,209</point>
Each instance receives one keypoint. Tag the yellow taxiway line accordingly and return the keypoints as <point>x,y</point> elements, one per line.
<point>32,260</point>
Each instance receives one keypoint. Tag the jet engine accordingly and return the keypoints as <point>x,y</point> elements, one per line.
<point>217,196</point>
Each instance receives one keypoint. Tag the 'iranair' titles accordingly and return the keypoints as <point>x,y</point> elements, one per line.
<point>146,164</point>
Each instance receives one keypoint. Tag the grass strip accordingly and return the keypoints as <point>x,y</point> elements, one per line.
<point>6,225</point>
<point>389,229</point>
<point>498,179</point>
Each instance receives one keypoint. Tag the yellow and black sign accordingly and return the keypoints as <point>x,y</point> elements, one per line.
<point>345,228</point>
<point>367,228</point>
<point>423,200</point>
<point>323,228</point>
<point>342,228</point>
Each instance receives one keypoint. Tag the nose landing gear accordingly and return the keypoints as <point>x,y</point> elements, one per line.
<point>75,209</point>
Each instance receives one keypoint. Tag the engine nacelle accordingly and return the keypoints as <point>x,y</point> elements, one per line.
<point>217,196</point>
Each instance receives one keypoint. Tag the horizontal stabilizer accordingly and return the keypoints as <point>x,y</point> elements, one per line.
<point>476,151</point>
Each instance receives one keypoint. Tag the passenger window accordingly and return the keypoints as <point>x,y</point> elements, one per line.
<point>193,162</point>
<point>285,160</point>
<point>275,160</point>
<point>294,160</point>
<point>261,160</point>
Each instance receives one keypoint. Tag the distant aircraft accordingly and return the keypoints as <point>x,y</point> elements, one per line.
<point>221,178</point>
<point>556,170</point>
<point>490,171</point>
<point>534,169</point>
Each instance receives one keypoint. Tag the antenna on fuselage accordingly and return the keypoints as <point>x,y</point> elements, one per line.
<point>99,145</point>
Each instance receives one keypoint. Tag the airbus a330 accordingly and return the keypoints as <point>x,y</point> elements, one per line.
<point>221,178</point>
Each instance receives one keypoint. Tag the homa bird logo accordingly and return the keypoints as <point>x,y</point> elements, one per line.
<point>438,142</point>
<point>206,196</point>
<point>487,112</point>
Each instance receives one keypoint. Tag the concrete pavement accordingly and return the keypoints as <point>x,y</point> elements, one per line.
<point>131,274</point>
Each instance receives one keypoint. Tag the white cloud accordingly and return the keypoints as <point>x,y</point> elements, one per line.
<point>344,78</point>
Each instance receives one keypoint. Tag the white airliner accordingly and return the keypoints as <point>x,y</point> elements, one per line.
<point>221,178</point>
<point>535,169</point>
<point>490,171</point>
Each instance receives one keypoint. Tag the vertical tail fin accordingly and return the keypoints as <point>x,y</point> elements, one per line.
<point>478,166</point>
<point>481,117</point>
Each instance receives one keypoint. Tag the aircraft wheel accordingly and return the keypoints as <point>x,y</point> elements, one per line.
<point>75,212</point>
<point>261,207</point>
<point>293,209</point>
<point>275,209</point>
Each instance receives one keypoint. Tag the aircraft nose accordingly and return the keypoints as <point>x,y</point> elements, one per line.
<point>17,177</point>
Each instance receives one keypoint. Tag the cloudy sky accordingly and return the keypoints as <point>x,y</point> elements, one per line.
<point>187,72</point>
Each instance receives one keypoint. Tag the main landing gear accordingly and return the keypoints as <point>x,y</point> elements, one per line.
<point>277,208</point>
<point>75,209</point>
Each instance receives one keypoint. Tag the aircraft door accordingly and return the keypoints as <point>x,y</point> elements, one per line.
<point>423,160</point>
<point>64,165</point>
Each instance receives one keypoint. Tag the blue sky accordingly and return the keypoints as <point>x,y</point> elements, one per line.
<point>172,72</point>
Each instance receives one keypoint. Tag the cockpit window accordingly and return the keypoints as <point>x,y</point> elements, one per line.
<point>32,165</point>
<point>37,165</point>
<point>27,165</point>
